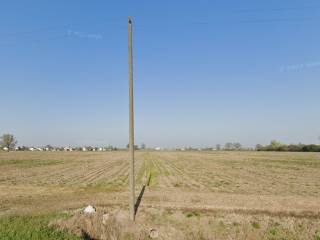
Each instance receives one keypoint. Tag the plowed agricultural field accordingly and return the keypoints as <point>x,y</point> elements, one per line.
<point>188,195</point>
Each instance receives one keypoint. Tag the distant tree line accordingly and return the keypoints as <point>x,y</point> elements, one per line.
<point>229,146</point>
<point>8,143</point>
<point>136,147</point>
<point>277,146</point>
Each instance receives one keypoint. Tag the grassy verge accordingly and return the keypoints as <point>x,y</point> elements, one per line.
<point>31,228</point>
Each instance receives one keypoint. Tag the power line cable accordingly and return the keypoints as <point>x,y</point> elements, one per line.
<point>278,9</point>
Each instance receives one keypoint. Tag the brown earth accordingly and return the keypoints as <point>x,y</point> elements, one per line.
<point>208,195</point>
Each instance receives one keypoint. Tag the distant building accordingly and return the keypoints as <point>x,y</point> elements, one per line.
<point>68,149</point>
<point>157,148</point>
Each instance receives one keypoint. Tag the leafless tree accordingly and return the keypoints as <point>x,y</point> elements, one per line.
<point>8,141</point>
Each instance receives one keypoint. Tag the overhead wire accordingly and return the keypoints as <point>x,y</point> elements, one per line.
<point>122,22</point>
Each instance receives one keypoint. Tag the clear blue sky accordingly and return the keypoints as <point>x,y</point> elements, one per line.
<point>206,72</point>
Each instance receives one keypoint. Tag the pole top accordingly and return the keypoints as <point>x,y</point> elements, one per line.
<point>130,19</point>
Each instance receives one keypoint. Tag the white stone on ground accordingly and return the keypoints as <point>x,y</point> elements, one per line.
<point>89,209</point>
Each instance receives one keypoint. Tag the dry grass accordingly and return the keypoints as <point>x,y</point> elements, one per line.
<point>92,226</point>
<point>248,191</point>
<point>189,224</point>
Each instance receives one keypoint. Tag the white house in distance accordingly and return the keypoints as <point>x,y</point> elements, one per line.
<point>68,149</point>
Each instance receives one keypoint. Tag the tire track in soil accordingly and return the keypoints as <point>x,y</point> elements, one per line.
<point>98,172</point>
<point>195,171</point>
<point>187,179</point>
<point>170,173</point>
<point>112,164</point>
<point>114,176</point>
<point>160,180</point>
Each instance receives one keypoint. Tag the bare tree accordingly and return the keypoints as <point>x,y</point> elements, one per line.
<point>259,147</point>
<point>228,146</point>
<point>8,141</point>
<point>237,146</point>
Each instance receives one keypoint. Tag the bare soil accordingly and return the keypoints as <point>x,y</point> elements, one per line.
<point>190,195</point>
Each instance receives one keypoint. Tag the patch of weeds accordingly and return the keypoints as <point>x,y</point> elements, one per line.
<point>128,236</point>
<point>153,177</point>
<point>221,224</point>
<point>199,235</point>
<point>273,231</point>
<point>221,183</point>
<point>255,225</point>
<point>32,228</point>
<point>192,214</point>
<point>150,170</point>
<point>225,182</point>
<point>142,173</point>
<point>154,218</point>
<point>317,235</point>
<point>236,224</point>
<point>169,211</point>
<point>217,184</point>
<point>177,184</point>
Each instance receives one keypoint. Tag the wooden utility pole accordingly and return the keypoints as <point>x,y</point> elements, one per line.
<point>131,126</point>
